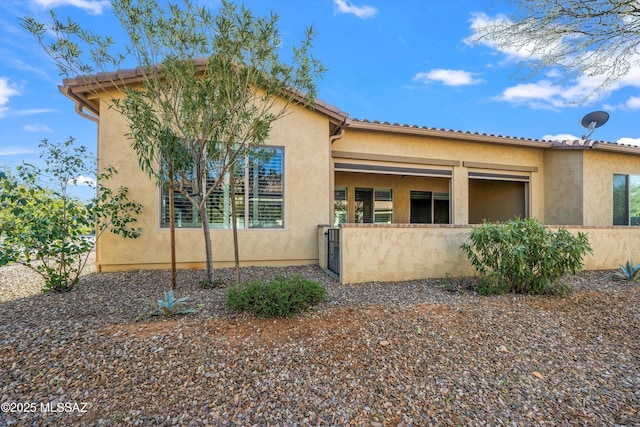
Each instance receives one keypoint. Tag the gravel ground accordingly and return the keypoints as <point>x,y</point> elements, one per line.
<point>375,354</point>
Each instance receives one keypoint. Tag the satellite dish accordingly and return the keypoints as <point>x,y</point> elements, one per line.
<point>593,120</point>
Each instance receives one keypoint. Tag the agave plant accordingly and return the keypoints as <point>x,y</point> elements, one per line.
<point>628,272</point>
<point>166,307</point>
<point>170,305</point>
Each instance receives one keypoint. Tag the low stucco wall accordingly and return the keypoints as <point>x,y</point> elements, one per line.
<point>612,246</point>
<point>396,252</point>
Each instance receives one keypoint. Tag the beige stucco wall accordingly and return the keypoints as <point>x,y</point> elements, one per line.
<point>305,137</point>
<point>428,147</point>
<point>401,252</point>
<point>564,187</point>
<point>599,167</point>
<point>405,252</point>
<point>579,185</point>
<point>460,196</point>
<point>612,246</point>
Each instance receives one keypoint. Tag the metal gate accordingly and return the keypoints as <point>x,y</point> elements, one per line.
<point>333,241</point>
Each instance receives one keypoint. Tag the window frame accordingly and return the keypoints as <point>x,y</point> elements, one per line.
<point>373,192</point>
<point>432,196</point>
<point>246,195</point>
<point>500,176</point>
<point>628,183</point>
<point>340,216</point>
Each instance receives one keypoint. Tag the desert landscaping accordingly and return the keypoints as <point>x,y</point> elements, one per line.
<point>419,353</point>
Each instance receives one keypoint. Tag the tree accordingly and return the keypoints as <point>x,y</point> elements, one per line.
<point>583,37</point>
<point>46,229</point>
<point>210,87</point>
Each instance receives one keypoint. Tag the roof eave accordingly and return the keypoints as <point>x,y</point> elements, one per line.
<point>449,134</point>
<point>81,103</point>
<point>628,149</point>
<point>82,85</point>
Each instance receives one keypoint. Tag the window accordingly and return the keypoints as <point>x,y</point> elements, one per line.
<point>373,205</point>
<point>382,206</point>
<point>428,207</point>
<point>340,206</point>
<point>441,208</point>
<point>219,203</point>
<point>626,199</point>
<point>497,199</point>
<point>258,192</point>
<point>420,207</point>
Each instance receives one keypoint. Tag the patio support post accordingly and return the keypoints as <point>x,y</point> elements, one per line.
<point>460,196</point>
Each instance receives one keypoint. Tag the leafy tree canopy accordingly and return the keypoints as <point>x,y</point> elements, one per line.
<point>46,229</point>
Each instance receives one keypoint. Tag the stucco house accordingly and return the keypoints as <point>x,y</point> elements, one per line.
<point>376,201</point>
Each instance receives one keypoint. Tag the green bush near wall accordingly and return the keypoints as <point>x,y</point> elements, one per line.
<point>283,296</point>
<point>524,256</point>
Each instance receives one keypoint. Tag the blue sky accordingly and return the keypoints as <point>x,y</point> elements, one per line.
<point>406,61</point>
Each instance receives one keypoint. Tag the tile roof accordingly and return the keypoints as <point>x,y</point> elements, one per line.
<point>81,85</point>
<point>426,128</point>
<point>497,138</point>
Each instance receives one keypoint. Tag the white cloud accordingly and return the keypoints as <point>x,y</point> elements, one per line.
<point>517,49</point>
<point>543,94</point>
<point>552,92</point>
<point>94,7</point>
<point>553,73</point>
<point>37,127</point>
<point>7,90</point>
<point>630,141</point>
<point>31,112</point>
<point>84,180</point>
<point>633,102</point>
<point>557,93</point>
<point>448,77</point>
<point>343,6</point>
<point>15,151</point>
<point>560,137</point>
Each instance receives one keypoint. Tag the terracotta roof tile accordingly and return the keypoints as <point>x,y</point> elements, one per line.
<point>567,144</point>
<point>407,126</point>
<point>83,83</point>
<point>125,75</point>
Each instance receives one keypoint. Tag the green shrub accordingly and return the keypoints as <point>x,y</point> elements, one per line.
<point>524,256</point>
<point>283,296</point>
<point>45,229</point>
<point>490,284</point>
